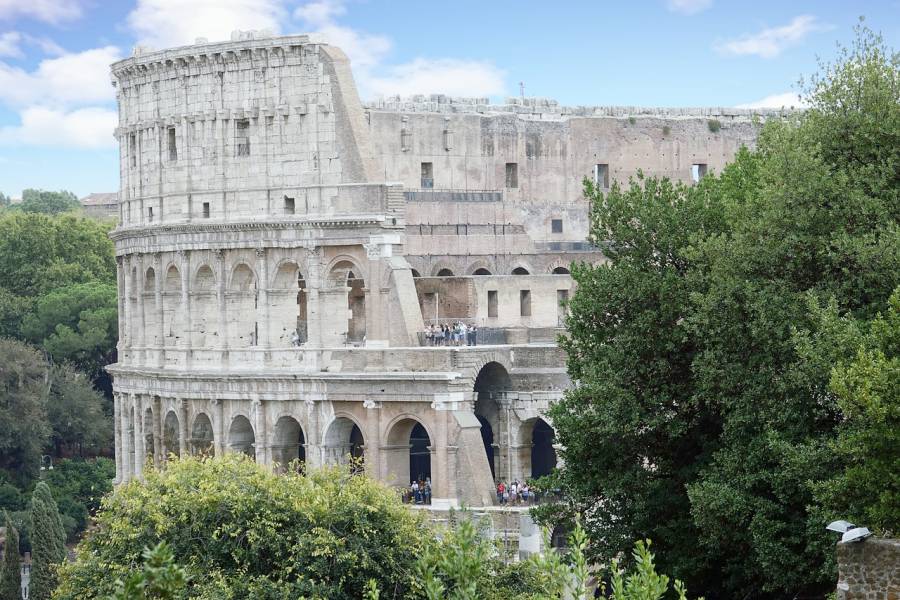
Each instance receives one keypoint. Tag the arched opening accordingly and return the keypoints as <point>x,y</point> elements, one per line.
<point>150,280</point>
<point>241,437</point>
<point>560,271</point>
<point>288,305</point>
<point>408,453</point>
<point>520,271</point>
<point>202,436</point>
<point>151,335</point>
<point>149,446</point>
<point>481,271</point>
<point>445,272</point>
<point>343,442</point>
<point>415,273</point>
<point>171,437</point>
<point>491,384</point>
<point>243,329</point>
<point>172,306</point>
<point>203,307</point>
<point>289,448</point>
<point>543,455</point>
<point>345,273</point>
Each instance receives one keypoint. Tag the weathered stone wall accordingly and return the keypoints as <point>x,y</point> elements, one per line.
<point>869,570</point>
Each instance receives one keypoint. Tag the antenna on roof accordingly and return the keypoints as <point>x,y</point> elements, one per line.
<point>522,89</point>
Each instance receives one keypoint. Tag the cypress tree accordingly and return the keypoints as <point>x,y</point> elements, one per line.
<point>48,548</point>
<point>10,572</point>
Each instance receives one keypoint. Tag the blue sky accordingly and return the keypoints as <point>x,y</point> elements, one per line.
<point>57,108</point>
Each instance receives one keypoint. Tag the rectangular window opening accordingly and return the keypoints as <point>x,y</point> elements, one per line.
<point>601,176</point>
<point>525,303</point>
<point>556,226</point>
<point>173,147</point>
<point>288,205</point>
<point>698,171</point>
<point>562,300</point>
<point>427,175</point>
<point>132,149</point>
<point>492,303</point>
<point>149,213</point>
<point>512,175</point>
<point>242,137</point>
<point>206,210</point>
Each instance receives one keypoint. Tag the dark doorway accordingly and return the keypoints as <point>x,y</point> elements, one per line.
<point>543,456</point>
<point>419,453</point>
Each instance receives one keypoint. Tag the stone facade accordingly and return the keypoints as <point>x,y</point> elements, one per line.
<point>869,570</point>
<point>281,248</point>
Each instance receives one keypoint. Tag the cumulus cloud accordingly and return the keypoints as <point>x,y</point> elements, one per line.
<point>688,7</point>
<point>441,76</point>
<point>165,23</point>
<point>783,100</point>
<point>71,79</point>
<point>49,11</point>
<point>772,41</point>
<point>90,127</point>
<point>10,44</point>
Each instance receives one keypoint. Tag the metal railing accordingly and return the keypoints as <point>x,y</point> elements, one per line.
<point>432,195</point>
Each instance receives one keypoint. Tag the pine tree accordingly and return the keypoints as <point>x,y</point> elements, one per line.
<point>48,548</point>
<point>10,572</point>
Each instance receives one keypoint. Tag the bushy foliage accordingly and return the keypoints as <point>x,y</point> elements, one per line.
<point>47,202</point>
<point>160,578</point>
<point>696,412</point>
<point>24,426</point>
<point>10,573</point>
<point>241,531</point>
<point>48,548</point>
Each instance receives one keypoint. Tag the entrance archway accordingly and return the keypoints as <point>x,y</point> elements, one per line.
<point>343,442</point>
<point>149,446</point>
<point>241,437</point>
<point>491,384</point>
<point>408,452</point>
<point>202,436</point>
<point>289,446</point>
<point>171,437</point>
<point>346,273</point>
<point>538,455</point>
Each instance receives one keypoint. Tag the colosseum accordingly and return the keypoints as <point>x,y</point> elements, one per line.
<point>283,247</point>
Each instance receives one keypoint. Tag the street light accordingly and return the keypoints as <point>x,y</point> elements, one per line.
<point>46,462</point>
<point>849,532</point>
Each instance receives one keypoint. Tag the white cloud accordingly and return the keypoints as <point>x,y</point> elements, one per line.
<point>320,12</point>
<point>688,7</point>
<point>10,42</point>
<point>81,128</point>
<point>72,79</point>
<point>772,41</point>
<point>167,23</point>
<point>49,11</point>
<point>441,76</point>
<point>784,100</point>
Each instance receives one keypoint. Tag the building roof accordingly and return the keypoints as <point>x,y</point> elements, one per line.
<point>100,199</point>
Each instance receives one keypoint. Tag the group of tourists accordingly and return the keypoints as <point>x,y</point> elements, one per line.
<point>515,493</point>
<point>451,335</point>
<point>419,492</point>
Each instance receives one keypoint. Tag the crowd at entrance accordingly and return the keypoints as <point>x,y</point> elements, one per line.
<point>516,493</point>
<point>453,334</point>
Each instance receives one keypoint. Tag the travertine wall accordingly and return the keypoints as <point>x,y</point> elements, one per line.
<point>869,570</point>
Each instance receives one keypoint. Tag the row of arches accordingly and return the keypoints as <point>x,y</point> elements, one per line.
<point>446,272</point>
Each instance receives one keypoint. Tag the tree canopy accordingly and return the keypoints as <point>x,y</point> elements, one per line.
<point>46,202</point>
<point>696,412</point>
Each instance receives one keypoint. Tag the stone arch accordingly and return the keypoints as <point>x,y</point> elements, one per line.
<point>202,436</point>
<point>288,443</point>
<point>444,272</point>
<point>287,272</point>
<point>243,328</point>
<point>343,441</point>
<point>560,271</point>
<point>288,304</point>
<point>243,278</point>
<point>479,267</point>
<point>538,456</point>
<point>172,282</point>
<point>241,437</point>
<point>203,307</point>
<point>172,317</point>
<point>481,271</point>
<point>171,434</point>
<point>520,270</point>
<point>345,274</point>
<point>491,383</point>
<point>414,273</point>
<point>409,444</point>
<point>204,279</point>
<point>337,269</point>
<point>150,280</point>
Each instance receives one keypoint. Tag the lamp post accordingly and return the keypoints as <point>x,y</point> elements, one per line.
<point>46,463</point>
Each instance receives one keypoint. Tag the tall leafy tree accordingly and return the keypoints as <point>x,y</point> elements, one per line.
<point>48,550</point>
<point>11,572</point>
<point>696,420</point>
<point>24,426</point>
<point>47,202</point>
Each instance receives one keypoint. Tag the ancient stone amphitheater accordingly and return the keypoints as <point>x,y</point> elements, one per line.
<point>282,247</point>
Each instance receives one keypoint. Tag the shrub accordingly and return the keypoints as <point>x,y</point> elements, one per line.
<point>714,125</point>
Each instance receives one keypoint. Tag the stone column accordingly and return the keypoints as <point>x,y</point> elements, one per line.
<point>139,450</point>
<point>184,266</point>
<point>221,305</point>
<point>262,299</point>
<point>139,325</point>
<point>314,281</point>
<point>118,435</point>
<point>372,450</point>
<point>126,290</point>
<point>260,433</point>
<point>120,278</point>
<point>157,426</point>
<point>183,439</point>
<point>125,410</point>
<point>160,310</point>
<point>219,427</point>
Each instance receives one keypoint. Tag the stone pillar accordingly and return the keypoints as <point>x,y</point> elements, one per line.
<point>260,433</point>
<point>372,450</point>
<point>139,450</point>
<point>184,267</point>
<point>262,299</point>
<point>334,316</point>
<point>160,310</point>
<point>158,451</point>
<point>125,332</point>
<point>219,427</point>
<point>221,305</point>
<point>183,437</point>
<point>140,325</point>
<point>314,281</point>
<point>125,410</point>
<point>118,434</point>
<point>315,440</point>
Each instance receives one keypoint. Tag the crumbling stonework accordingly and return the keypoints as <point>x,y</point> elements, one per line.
<point>281,248</point>
<point>869,570</point>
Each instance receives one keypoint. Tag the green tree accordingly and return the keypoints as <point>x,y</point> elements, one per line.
<point>160,578</point>
<point>48,550</point>
<point>24,426</point>
<point>4,200</point>
<point>43,201</point>
<point>76,323</point>
<point>241,531</point>
<point>11,573</point>
<point>696,414</point>
<point>78,486</point>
